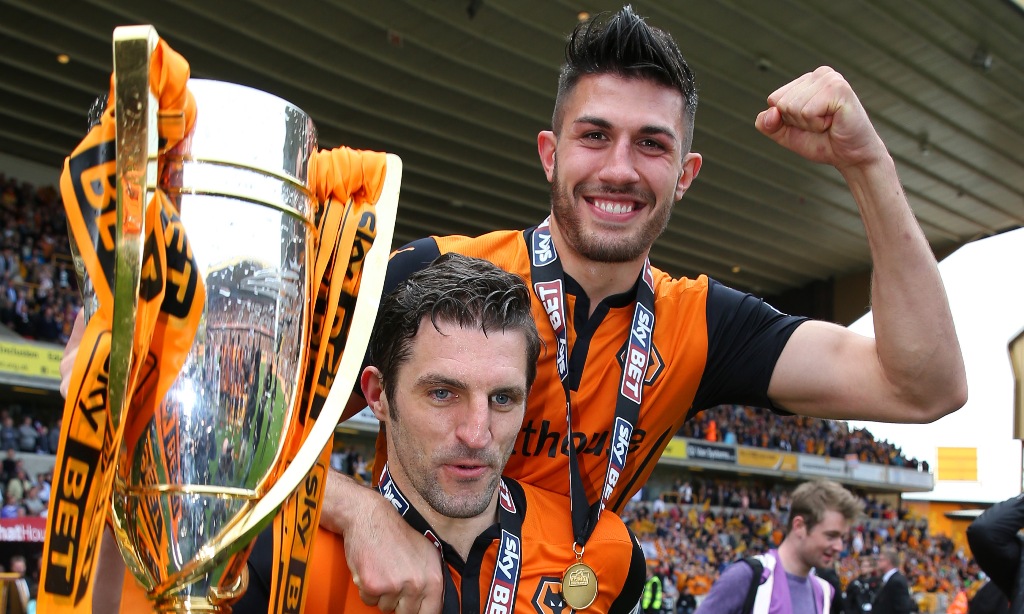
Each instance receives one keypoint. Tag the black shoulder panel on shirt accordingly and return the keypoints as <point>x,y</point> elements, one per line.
<point>997,547</point>
<point>633,587</point>
<point>745,338</point>
<point>408,259</point>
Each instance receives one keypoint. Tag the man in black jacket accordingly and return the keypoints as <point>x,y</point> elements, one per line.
<point>989,600</point>
<point>894,594</point>
<point>861,591</point>
<point>996,547</point>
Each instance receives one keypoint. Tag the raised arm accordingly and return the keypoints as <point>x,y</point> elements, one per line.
<point>912,371</point>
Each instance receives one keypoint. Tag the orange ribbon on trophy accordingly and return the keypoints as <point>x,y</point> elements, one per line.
<point>346,185</point>
<point>170,302</point>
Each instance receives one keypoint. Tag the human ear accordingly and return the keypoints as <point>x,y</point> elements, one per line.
<point>546,144</point>
<point>799,525</point>
<point>691,166</point>
<point>372,383</point>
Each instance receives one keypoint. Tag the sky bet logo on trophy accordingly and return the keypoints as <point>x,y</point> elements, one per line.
<point>227,263</point>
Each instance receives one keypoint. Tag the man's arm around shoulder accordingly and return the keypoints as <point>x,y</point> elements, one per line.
<point>394,567</point>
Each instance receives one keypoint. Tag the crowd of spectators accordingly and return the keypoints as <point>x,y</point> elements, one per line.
<point>724,493</point>
<point>39,300</point>
<point>692,543</point>
<point>30,436</point>
<point>23,494</point>
<point>732,494</point>
<point>39,296</point>
<point>351,462</point>
<point>751,426</point>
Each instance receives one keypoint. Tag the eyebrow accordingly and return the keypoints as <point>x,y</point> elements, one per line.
<point>513,391</point>
<point>645,130</point>
<point>433,379</point>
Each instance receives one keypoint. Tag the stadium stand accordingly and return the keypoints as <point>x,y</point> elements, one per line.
<point>39,295</point>
<point>739,424</point>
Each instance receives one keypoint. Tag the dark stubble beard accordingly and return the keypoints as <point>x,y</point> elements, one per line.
<point>589,244</point>
<point>431,491</point>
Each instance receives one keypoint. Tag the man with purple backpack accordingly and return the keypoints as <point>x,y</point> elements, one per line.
<point>784,579</point>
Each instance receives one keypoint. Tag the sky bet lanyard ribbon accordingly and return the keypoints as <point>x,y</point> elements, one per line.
<point>504,584</point>
<point>546,272</point>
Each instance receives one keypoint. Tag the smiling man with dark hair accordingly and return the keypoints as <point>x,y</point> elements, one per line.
<point>633,352</point>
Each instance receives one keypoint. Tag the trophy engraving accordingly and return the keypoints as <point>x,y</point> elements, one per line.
<point>579,577</point>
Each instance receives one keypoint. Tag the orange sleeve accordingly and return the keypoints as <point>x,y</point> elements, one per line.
<point>133,597</point>
<point>331,588</point>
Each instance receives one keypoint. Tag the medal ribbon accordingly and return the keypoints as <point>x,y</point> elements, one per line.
<point>548,283</point>
<point>505,581</point>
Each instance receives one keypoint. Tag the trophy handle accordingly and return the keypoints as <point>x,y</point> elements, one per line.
<point>136,132</point>
<point>1016,348</point>
<point>135,115</point>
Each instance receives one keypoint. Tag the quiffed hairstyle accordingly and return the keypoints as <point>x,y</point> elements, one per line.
<point>622,44</point>
<point>811,500</point>
<point>454,289</point>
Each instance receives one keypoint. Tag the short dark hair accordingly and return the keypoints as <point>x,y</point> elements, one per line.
<point>454,289</point>
<point>623,44</point>
<point>811,500</point>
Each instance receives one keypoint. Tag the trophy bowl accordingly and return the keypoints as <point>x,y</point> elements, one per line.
<point>215,445</point>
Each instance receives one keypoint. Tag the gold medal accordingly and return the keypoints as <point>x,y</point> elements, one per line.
<point>579,586</point>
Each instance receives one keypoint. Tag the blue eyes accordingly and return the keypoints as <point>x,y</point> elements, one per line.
<point>500,399</point>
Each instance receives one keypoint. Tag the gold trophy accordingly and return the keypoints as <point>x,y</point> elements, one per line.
<point>229,439</point>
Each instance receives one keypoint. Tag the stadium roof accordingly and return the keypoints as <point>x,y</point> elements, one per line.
<point>459,89</point>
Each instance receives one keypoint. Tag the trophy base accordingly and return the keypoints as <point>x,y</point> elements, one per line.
<point>194,603</point>
<point>190,604</point>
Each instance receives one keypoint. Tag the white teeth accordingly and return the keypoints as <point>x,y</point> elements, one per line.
<point>613,207</point>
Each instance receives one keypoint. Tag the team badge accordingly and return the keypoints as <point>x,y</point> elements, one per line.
<point>547,599</point>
